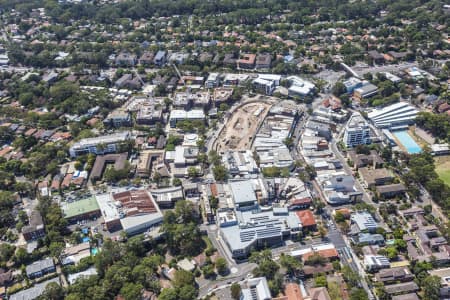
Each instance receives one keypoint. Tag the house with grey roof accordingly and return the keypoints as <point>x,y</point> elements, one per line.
<point>401,288</point>
<point>368,239</point>
<point>394,275</point>
<point>125,59</point>
<point>33,292</point>
<point>40,268</point>
<point>160,58</point>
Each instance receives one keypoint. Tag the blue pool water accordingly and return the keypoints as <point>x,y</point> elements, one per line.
<point>407,141</point>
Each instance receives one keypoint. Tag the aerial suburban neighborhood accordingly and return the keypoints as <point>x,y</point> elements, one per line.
<point>248,150</point>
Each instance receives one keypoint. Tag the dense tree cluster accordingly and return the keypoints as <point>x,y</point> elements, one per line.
<point>437,124</point>
<point>123,269</point>
<point>181,230</point>
<point>422,171</point>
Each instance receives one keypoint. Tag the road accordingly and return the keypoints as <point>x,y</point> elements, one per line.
<point>361,70</point>
<point>334,235</point>
<point>347,255</point>
<point>238,271</point>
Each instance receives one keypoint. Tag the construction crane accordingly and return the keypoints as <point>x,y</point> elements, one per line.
<point>138,76</point>
<point>178,73</point>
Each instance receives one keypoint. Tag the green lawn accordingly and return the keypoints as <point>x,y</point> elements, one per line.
<point>443,168</point>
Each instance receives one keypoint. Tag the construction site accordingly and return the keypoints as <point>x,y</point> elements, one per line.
<point>242,126</point>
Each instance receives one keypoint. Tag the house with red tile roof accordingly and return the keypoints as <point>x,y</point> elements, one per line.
<point>307,219</point>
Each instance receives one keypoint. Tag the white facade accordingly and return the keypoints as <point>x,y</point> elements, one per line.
<point>357,131</point>
<point>212,81</point>
<point>397,114</point>
<point>91,145</point>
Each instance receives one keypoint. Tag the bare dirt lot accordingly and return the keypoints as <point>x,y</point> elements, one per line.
<point>242,126</point>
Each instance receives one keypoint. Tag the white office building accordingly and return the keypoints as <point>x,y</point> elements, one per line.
<point>177,115</point>
<point>300,87</point>
<point>99,145</point>
<point>212,81</point>
<point>357,131</point>
<point>256,288</point>
<point>397,114</point>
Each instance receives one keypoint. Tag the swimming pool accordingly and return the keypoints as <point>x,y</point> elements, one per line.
<point>407,141</point>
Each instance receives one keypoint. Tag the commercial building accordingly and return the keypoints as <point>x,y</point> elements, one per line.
<point>187,100</point>
<point>149,115</point>
<point>212,81</point>
<point>339,188</point>
<point>255,229</point>
<point>373,263</point>
<point>357,131</point>
<point>340,183</point>
<point>263,85</point>
<point>240,163</point>
<point>352,84</point>
<point>366,91</point>
<point>166,197</point>
<point>79,210</point>
<point>364,222</point>
<point>100,145</point>
<point>268,142</point>
<point>177,115</point>
<point>323,130</point>
<point>118,118</point>
<point>397,114</point>
<point>133,211</point>
<point>300,87</point>
<point>256,289</point>
<point>185,156</point>
<point>440,149</point>
<point>234,79</point>
<point>40,268</point>
<point>243,194</point>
